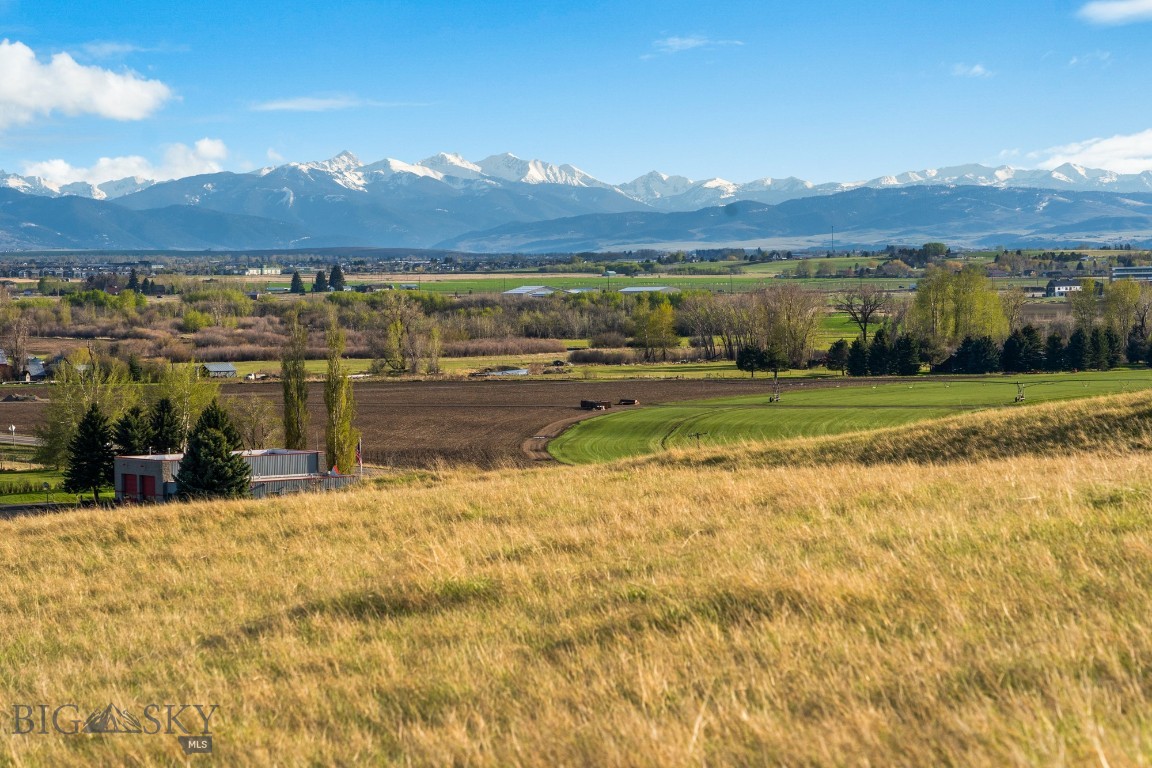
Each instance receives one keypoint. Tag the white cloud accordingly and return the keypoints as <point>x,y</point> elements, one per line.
<point>310,104</point>
<point>1117,11</point>
<point>31,89</point>
<point>180,160</point>
<point>970,70</point>
<point>328,104</point>
<point>1095,57</point>
<point>275,156</point>
<point>676,44</point>
<point>1130,153</point>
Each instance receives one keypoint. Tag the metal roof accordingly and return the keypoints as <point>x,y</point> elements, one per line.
<point>528,290</point>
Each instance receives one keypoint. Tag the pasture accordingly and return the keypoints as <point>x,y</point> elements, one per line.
<point>835,407</point>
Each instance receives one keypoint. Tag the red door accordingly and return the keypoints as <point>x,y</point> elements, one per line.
<point>129,489</point>
<point>149,486</point>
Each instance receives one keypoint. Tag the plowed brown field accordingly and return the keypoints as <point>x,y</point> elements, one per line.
<point>483,423</point>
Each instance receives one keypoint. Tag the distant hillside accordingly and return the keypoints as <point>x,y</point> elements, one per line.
<point>28,223</point>
<point>863,217</point>
<point>303,208</point>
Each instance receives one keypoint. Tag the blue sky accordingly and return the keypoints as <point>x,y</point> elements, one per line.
<point>742,90</point>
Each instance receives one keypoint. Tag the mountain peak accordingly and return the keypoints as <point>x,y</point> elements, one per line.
<point>345,161</point>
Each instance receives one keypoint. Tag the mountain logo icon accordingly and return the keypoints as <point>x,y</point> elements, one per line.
<point>112,720</point>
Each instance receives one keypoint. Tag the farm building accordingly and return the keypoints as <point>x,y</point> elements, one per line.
<point>647,289</point>
<point>275,471</point>
<point>219,370</point>
<point>532,291</point>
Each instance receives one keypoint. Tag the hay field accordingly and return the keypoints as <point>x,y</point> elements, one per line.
<point>715,607</point>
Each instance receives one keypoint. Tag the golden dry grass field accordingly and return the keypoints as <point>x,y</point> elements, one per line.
<point>921,606</point>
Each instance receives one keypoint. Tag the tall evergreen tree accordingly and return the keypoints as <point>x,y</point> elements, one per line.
<point>167,428</point>
<point>1098,349</point>
<point>837,355</point>
<point>297,283</point>
<point>320,284</point>
<point>1077,355</point>
<point>210,468</point>
<point>1054,353</point>
<point>1114,351</point>
<point>340,437</point>
<point>132,433</point>
<point>336,278</point>
<point>1011,355</point>
<point>294,378</point>
<point>1137,347</point>
<point>751,358</point>
<point>215,417</point>
<point>133,283</point>
<point>906,356</point>
<point>1031,349</point>
<point>91,458</point>
<point>880,353</point>
<point>857,364</point>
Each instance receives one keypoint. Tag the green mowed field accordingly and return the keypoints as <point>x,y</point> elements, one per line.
<point>827,410</point>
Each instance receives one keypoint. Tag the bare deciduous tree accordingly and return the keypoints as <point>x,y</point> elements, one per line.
<point>863,304</point>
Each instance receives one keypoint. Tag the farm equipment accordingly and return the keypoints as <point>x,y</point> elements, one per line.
<point>628,401</point>
<point>595,405</point>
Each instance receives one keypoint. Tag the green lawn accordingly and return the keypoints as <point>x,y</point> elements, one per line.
<point>818,411</point>
<point>12,480</point>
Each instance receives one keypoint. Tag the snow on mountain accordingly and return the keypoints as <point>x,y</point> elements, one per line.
<point>343,170</point>
<point>655,185</point>
<point>508,167</point>
<point>449,164</point>
<point>83,189</point>
<point>125,186</point>
<point>390,167</point>
<point>345,173</point>
<point>31,185</point>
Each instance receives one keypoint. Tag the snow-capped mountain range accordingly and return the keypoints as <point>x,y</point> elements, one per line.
<point>504,203</point>
<point>654,190</point>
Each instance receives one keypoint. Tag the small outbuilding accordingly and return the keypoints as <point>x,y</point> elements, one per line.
<point>219,370</point>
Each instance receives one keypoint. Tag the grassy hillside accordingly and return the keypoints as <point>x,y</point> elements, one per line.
<point>694,608</point>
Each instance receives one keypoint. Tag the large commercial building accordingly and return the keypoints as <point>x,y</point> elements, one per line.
<point>1132,273</point>
<point>275,471</point>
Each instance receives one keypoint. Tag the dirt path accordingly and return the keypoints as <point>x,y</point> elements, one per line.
<point>536,447</point>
